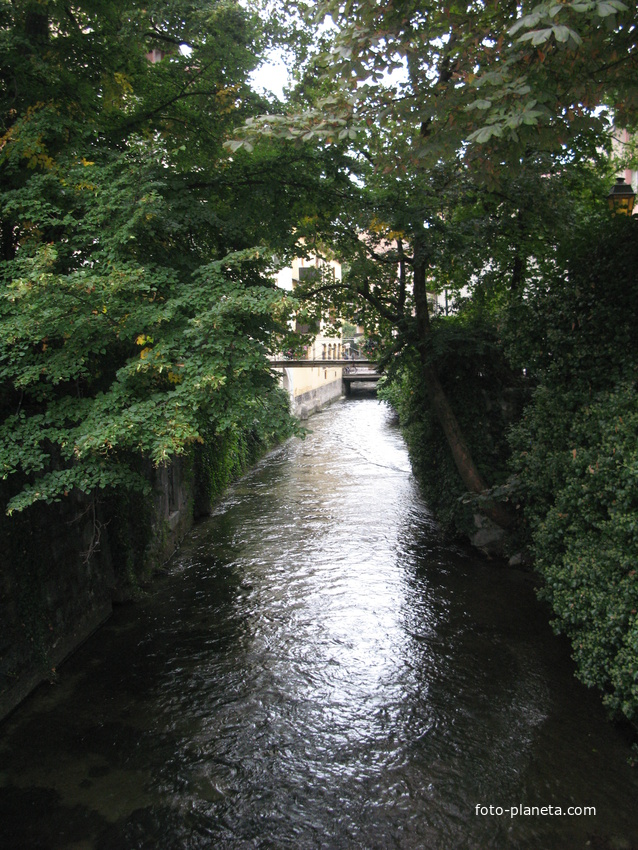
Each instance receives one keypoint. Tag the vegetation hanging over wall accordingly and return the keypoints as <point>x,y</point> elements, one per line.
<point>222,459</point>
<point>486,394</point>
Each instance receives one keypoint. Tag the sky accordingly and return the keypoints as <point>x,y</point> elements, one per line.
<point>271,76</point>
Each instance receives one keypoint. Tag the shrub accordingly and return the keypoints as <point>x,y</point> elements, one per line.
<point>575,451</point>
<point>586,540</point>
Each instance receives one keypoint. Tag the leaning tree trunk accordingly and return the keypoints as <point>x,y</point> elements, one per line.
<point>459,448</point>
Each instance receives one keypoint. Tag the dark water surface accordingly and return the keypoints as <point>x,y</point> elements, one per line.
<point>319,670</point>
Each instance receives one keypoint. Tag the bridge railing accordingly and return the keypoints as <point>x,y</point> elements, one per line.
<point>306,364</point>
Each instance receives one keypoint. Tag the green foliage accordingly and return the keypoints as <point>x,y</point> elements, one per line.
<point>136,315</point>
<point>429,454</point>
<point>575,451</point>
<point>586,540</point>
<point>224,457</point>
<point>485,395</point>
<point>485,82</point>
<point>103,364</point>
<point>220,462</point>
<point>574,325</point>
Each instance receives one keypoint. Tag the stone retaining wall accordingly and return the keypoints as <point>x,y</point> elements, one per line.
<point>310,402</point>
<point>61,569</point>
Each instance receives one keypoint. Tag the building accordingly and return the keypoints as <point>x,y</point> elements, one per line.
<point>312,387</point>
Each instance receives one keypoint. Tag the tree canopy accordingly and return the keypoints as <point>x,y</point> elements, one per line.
<point>467,126</point>
<point>137,304</point>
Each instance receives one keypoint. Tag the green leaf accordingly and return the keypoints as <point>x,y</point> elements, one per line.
<point>609,8</point>
<point>485,134</point>
<point>563,33</point>
<point>479,104</point>
<point>537,36</point>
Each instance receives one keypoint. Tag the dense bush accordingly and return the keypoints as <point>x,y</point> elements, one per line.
<point>575,451</point>
<point>587,543</point>
<point>579,477</point>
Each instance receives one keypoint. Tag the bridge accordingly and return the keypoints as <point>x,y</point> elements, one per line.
<point>325,364</point>
<point>355,371</point>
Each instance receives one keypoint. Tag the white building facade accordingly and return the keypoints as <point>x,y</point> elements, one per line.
<point>312,387</point>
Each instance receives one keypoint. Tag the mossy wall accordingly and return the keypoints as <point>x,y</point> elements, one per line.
<point>56,582</point>
<point>62,566</point>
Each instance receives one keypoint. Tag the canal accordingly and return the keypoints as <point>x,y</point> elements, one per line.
<point>320,669</point>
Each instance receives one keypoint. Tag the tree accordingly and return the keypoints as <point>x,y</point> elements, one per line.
<point>137,304</point>
<point>405,87</point>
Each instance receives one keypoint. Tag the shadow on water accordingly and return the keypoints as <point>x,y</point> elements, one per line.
<point>319,669</point>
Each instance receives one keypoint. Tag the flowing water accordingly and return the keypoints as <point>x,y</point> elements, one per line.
<point>320,669</point>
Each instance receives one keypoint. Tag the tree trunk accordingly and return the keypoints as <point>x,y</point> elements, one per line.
<point>465,465</point>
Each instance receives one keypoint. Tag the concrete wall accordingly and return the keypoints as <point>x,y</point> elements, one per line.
<point>56,583</point>
<point>62,566</point>
<point>311,400</point>
<point>310,388</point>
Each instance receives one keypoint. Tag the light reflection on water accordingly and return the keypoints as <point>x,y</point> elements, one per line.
<point>320,669</point>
